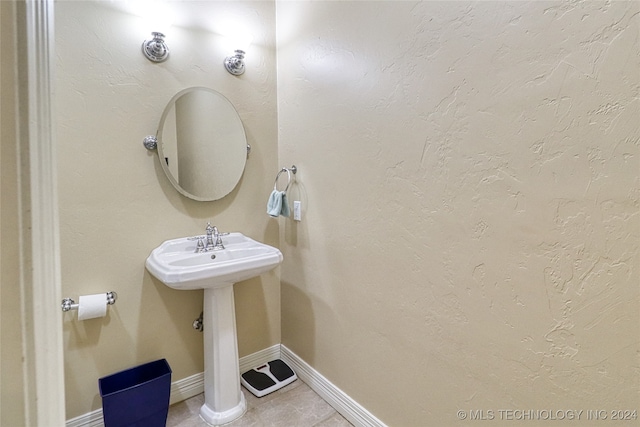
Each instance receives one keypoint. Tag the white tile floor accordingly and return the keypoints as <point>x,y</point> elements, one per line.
<point>295,405</point>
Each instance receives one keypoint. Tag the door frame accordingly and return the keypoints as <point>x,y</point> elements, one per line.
<point>40,283</point>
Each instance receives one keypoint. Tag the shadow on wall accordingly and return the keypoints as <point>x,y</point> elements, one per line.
<point>297,192</point>
<point>85,336</point>
<point>255,328</point>
<point>173,337</point>
<point>298,320</point>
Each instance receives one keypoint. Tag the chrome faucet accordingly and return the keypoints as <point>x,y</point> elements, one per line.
<point>210,230</point>
<point>212,241</point>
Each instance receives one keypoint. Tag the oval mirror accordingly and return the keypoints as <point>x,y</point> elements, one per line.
<point>202,146</point>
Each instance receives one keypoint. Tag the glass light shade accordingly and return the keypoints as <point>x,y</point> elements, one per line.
<point>157,17</point>
<point>238,41</point>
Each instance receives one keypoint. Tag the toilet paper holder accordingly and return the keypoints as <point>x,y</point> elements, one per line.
<point>69,304</point>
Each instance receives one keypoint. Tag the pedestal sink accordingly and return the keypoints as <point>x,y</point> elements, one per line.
<point>177,264</point>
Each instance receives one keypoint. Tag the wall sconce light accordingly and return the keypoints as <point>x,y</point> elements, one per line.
<point>235,64</point>
<point>156,49</point>
<point>238,40</point>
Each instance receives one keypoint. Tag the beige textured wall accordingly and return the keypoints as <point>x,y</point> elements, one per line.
<point>116,205</point>
<point>471,225</point>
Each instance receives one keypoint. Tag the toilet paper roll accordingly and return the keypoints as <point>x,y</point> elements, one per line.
<point>92,306</point>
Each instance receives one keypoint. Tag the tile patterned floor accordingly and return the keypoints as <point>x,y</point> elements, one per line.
<point>295,405</point>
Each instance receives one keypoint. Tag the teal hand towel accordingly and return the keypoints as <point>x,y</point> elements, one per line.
<point>277,204</point>
<point>274,205</point>
<point>284,211</point>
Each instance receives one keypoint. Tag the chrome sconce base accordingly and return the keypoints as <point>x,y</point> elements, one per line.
<point>235,64</point>
<point>156,50</point>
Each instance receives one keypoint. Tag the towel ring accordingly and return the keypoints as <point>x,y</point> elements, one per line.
<point>293,169</point>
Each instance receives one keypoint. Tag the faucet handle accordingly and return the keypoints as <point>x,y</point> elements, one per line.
<point>200,245</point>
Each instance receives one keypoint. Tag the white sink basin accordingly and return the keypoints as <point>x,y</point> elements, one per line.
<point>176,263</point>
<point>178,266</point>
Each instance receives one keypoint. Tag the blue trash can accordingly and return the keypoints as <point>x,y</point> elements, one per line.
<point>137,397</point>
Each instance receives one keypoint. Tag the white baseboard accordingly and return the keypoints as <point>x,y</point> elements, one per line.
<point>91,419</point>
<point>339,400</point>
<point>259,358</point>
<point>194,385</point>
<point>186,387</point>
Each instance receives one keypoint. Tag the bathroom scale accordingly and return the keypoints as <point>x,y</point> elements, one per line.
<point>268,378</point>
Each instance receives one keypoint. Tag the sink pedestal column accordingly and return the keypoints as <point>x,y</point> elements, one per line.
<point>224,401</point>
